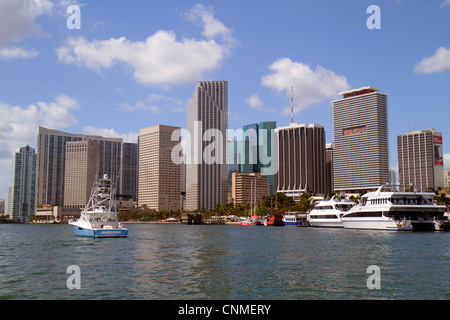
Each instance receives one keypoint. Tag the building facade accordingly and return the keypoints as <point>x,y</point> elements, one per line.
<point>206,165</point>
<point>258,150</point>
<point>159,177</point>
<point>249,188</point>
<point>301,159</point>
<point>51,155</point>
<point>22,194</point>
<point>420,159</point>
<point>361,148</point>
<point>81,169</point>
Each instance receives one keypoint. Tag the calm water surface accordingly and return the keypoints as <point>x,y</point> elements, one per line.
<point>223,262</point>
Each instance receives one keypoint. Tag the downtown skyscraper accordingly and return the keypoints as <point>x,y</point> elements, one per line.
<point>361,148</point>
<point>301,159</point>
<point>159,177</point>
<point>51,164</point>
<point>420,159</point>
<point>207,123</point>
<point>22,201</point>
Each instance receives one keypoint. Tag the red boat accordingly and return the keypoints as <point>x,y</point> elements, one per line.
<point>275,220</point>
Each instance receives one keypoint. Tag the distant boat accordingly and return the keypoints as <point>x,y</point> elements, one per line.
<point>295,219</point>
<point>252,221</point>
<point>274,220</point>
<point>99,217</point>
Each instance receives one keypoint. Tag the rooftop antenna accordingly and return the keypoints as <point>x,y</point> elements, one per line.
<point>292,104</point>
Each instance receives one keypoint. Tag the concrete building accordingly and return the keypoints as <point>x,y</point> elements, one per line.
<point>249,188</point>
<point>420,159</point>
<point>361,148</point>
<point>51,155</point>
<point>329,177</point>
<point>301,159</point>
<point>22,197</point>
<point>81,170</point>
<point>206,165</point>
<point>159,177</point>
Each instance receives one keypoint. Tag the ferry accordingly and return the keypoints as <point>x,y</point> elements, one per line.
<point>389,209</point>
<point>328,213</point>
<point>99,217</point>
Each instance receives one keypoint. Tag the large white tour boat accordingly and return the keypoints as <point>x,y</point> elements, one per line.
<point>328,213</point>
<point>99,217</point>
<point>389,209</point>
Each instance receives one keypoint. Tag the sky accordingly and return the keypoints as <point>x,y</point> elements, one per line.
<point>127,65</point>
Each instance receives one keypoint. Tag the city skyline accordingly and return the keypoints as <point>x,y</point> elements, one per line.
<point>132,66</point>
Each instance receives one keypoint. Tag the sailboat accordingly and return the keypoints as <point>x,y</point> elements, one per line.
<point>99,217</point>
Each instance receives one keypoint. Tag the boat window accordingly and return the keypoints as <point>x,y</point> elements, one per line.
<point>325,208</point>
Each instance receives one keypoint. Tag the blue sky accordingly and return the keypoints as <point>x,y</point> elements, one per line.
<point>134,64</point>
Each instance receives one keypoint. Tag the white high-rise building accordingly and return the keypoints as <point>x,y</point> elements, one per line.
<point>361,147</point>
<point>22,205</point>
<point>206,172</point>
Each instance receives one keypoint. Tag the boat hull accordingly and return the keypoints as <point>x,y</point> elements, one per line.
<point>100,233</point>
<point>375,224</point>
<point>325,223</point>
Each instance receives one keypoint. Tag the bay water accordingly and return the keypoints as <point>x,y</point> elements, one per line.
<point>223,262</point>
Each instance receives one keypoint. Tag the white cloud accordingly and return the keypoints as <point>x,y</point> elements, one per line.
<point>439,62</point>
<point>18,125</point>
<point>309,86</point>
<point>256,103</point>
<point>160,60</point>
<point>14,52</point>
<point>156,103</point>
<point>110,133</point>
<point>445,3</point>
<point>17,22</point>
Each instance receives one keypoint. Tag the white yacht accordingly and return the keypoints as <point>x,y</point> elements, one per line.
<point>99,217</point>
<point>389,209</point>
<point>328,213</point>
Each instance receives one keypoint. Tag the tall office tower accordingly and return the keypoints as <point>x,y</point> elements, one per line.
<point>51,148</point>
<point>329,168</point>
<point>420,159</point>
<point>23,184</point>
<point>206,165</point>
<point>159,177</point>
<point>301,159</point>
<point>82,159</point>
<point>257,155</point>
<point>130,158</point>
<point>361,150</point>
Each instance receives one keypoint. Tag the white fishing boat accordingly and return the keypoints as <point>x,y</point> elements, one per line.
<point>389,209</point>
<point>99,217</point>
<point>328,213</point>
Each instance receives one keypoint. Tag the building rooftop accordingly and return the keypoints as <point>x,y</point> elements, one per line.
<point>357,92</point>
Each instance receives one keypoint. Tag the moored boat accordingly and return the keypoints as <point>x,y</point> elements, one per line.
<point>328,213</point>
<point>295,219</point>
<point>274,220</point>
<point>389,209</point>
